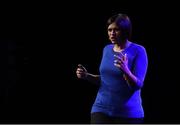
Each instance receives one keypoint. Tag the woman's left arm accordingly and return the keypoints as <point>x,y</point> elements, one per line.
<point>134,78</point>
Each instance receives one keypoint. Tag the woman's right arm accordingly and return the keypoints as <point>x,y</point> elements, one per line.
<point>82,73</point>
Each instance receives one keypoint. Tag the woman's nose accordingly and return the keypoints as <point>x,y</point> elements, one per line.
<point>112,32</point>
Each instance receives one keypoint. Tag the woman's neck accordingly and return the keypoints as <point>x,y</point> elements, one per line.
<point>121,46</point>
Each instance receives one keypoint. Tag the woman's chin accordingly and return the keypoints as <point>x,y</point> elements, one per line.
<point>113,42</point>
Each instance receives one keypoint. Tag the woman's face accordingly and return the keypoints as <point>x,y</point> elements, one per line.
<point>114,33</point>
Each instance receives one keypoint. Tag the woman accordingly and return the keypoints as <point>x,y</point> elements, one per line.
<point>122,72</point>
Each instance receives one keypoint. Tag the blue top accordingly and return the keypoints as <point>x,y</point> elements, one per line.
<point>115,97</point>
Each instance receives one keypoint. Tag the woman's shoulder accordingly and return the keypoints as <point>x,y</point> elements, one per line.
<point>108,46</point>
<point>137,47</point>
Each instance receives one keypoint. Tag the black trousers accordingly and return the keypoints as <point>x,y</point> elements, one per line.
<point>101,118</point>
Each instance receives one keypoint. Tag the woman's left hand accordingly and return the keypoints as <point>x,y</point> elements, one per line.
<point>122,62</point>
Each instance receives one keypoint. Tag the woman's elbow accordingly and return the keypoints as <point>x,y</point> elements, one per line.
<point>138,85</point>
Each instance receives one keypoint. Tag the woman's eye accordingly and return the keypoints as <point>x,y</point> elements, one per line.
<point>116,29</point>
<point>109,30</point>
<point>113,30</point>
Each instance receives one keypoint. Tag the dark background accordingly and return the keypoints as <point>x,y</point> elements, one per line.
<point>42,43</point>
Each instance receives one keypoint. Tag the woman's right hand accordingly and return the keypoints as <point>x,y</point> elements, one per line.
<point>81,72</point>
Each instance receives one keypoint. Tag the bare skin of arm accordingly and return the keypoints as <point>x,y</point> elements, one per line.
<point>122,63</point>
<point>82,73</point>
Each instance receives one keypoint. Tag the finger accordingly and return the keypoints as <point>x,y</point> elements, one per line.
<point>79,65</point>
<point>121,54</point>
<point>79,72</point>
<point>79,69</point>
<point>117,61</point>
<point>117,65</point>
<point>125,57</point>
<point>116,56</point>
<point>82,67</point>
<point>125,77</point>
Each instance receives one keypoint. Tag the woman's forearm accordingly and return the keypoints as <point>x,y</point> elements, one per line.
<point>132,80</point>
<point>93,78</point>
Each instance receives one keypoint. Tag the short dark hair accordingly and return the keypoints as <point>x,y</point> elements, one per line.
<point>124,24</point>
